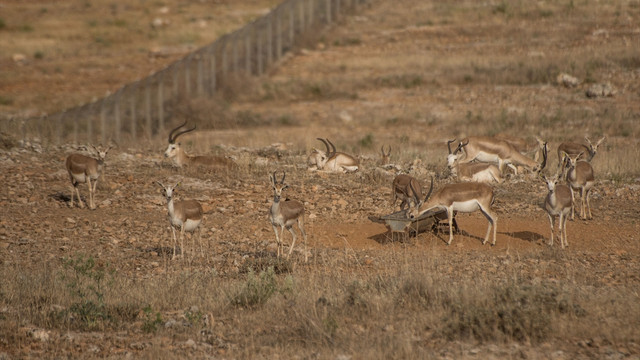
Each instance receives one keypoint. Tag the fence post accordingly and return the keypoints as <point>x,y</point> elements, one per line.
<point>187,75</point>
<point>247,49</point>
<point>161,102</point>
<point>132,109</point>
<point>147,107</point>
<point>259,53</point>
<point>103,122</point>
<point>59,131</point>
<point>116,115</point>
<point>269,40</point>
<point>75,126</point>
<point>90,124</point>
<point>212,78</point>
<point>278,33</point>
<point>292,23</point>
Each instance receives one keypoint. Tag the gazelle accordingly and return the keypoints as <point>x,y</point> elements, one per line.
<point>385,157</point>
<point>558,202</point>
<point>462,197</point>
<point>580,177</point>
<point>525,147</point>
<point>478,172</point>
<point>83,169</point>
<point>185,214</point>
<point>488,149</point>
<point>336,161</point>
<point>284,214</point>
<point>572,148</point>
<point>406,188</point>
<point>180,157</point>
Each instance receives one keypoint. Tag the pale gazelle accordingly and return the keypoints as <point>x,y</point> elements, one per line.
<point>558,203</point>
<point>588,151</point>
<point>285,213</point>
<point>385,157</point>
<point>336,161</point>
<point>464,197</point>
<point>580,177</point>
<point>185,215</point>
<point>83,169</point>
<point>477,171</point>
<point>493,150</point>
<point>406,188</point>
<point>176,153</point>
<point>314,158</point>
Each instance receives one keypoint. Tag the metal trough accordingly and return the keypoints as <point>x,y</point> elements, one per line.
<point>399,223</point>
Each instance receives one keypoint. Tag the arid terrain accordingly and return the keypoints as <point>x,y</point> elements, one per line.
<point>79,283</point>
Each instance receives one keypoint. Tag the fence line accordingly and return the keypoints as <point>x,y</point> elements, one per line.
<point>138,109</point>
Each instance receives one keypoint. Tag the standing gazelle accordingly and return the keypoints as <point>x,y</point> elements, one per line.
<point>406,188</point>
<point>185,214</point>
<point>580,177</point>
<point>83,169</point>
<point>462,197</point>
<point>284,214</point>
<point>587,151</point>
<point>558,203</point>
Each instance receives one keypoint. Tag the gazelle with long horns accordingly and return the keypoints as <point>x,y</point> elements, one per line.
<point>580,177</point>
<point>477,172</point>
<point>587,151</point>
<point>464,197</point>
<point>336,161</point>
<point>180,157</point>
<point>83,169</point>
<point>284,214</point>
<point>406,188</point>
<point>558,203</point>
<point>185,215</point>
<point>493,150</point>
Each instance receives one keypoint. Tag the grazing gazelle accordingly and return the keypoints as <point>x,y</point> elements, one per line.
<point>462,197</point>
<point>336,161</point>
<point>83,169</point>
<point>385,157</point>
<point>580,177</point>
<point>285,213</point>
<point>180,157</point>
<point>558,203</point>
<point>489,149</point>
<point>185,214</point>
<point>406,188</point>
<point>477,172</point>
<point>572,148</point>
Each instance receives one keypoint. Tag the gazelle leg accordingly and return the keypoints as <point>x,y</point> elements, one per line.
<point>573,204</point>
<point>304,236</point>
<point>563,230</point>
<point>293,242</point>
<point>450,218</point>
<point>93,192</point>
<point>587,193</point>
<point>551,221</point>
<point>275,230</point>
<point>493,219</point>
<point>173,236</point>
<point>182,249</point>
<point>73,190</point>
<point>91,205</point>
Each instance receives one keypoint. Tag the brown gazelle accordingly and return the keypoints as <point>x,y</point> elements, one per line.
<point>558,203</point>
<point>176,153</point>
<point>461,197</point>
<point>572,148</point>
<point>580,177</point>
<point>336,161</point>
<point>525,147</point>
<point>493,150</point>
<point>185,215</point>
<point>406,188</point>
<point>385,157</point>
<point>477,172</point>
<point>285,213</point>
<point>84,169</point>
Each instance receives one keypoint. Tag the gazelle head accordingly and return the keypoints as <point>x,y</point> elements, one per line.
<point>551,181</point>
<point>414,207</point>
<point>572,160</point>
<point>538,168</point>
<point>321,160</point>
<point>385,157</point>
<point>278,187</point>
<point>173,148</point>
<point>453,155</point>
<point>593,148</point>
<point>101,154</point>
<point>167,190</point>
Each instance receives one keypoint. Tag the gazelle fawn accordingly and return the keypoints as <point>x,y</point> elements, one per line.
<point>285,213</point>
<point>558,203</point>
<point>587,151</point>
<point>84,169</point>
<point>461,197</point>
<point>185,215</point>
<point>580,177</point>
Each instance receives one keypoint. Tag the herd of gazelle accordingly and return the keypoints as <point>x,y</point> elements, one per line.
<point>473,163</point>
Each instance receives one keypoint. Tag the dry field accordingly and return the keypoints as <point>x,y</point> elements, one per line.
<point>78,283</point>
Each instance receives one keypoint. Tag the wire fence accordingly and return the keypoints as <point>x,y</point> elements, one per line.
<point>139,110</point>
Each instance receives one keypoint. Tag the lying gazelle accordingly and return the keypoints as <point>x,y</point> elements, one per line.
<point>184,214</point>
<point>462,197</point>
<point>83,169</point>
<point>559,203</point>
<point>488,149</point>
<point>284,214</point>
<point>406,188</point>
<point>314,158</point>
<point>180,157</point>
<point>572,148</point>
<point>478,171</point>
<point>336,161</point>
<point>385,157</point>
<point>580,177</point>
